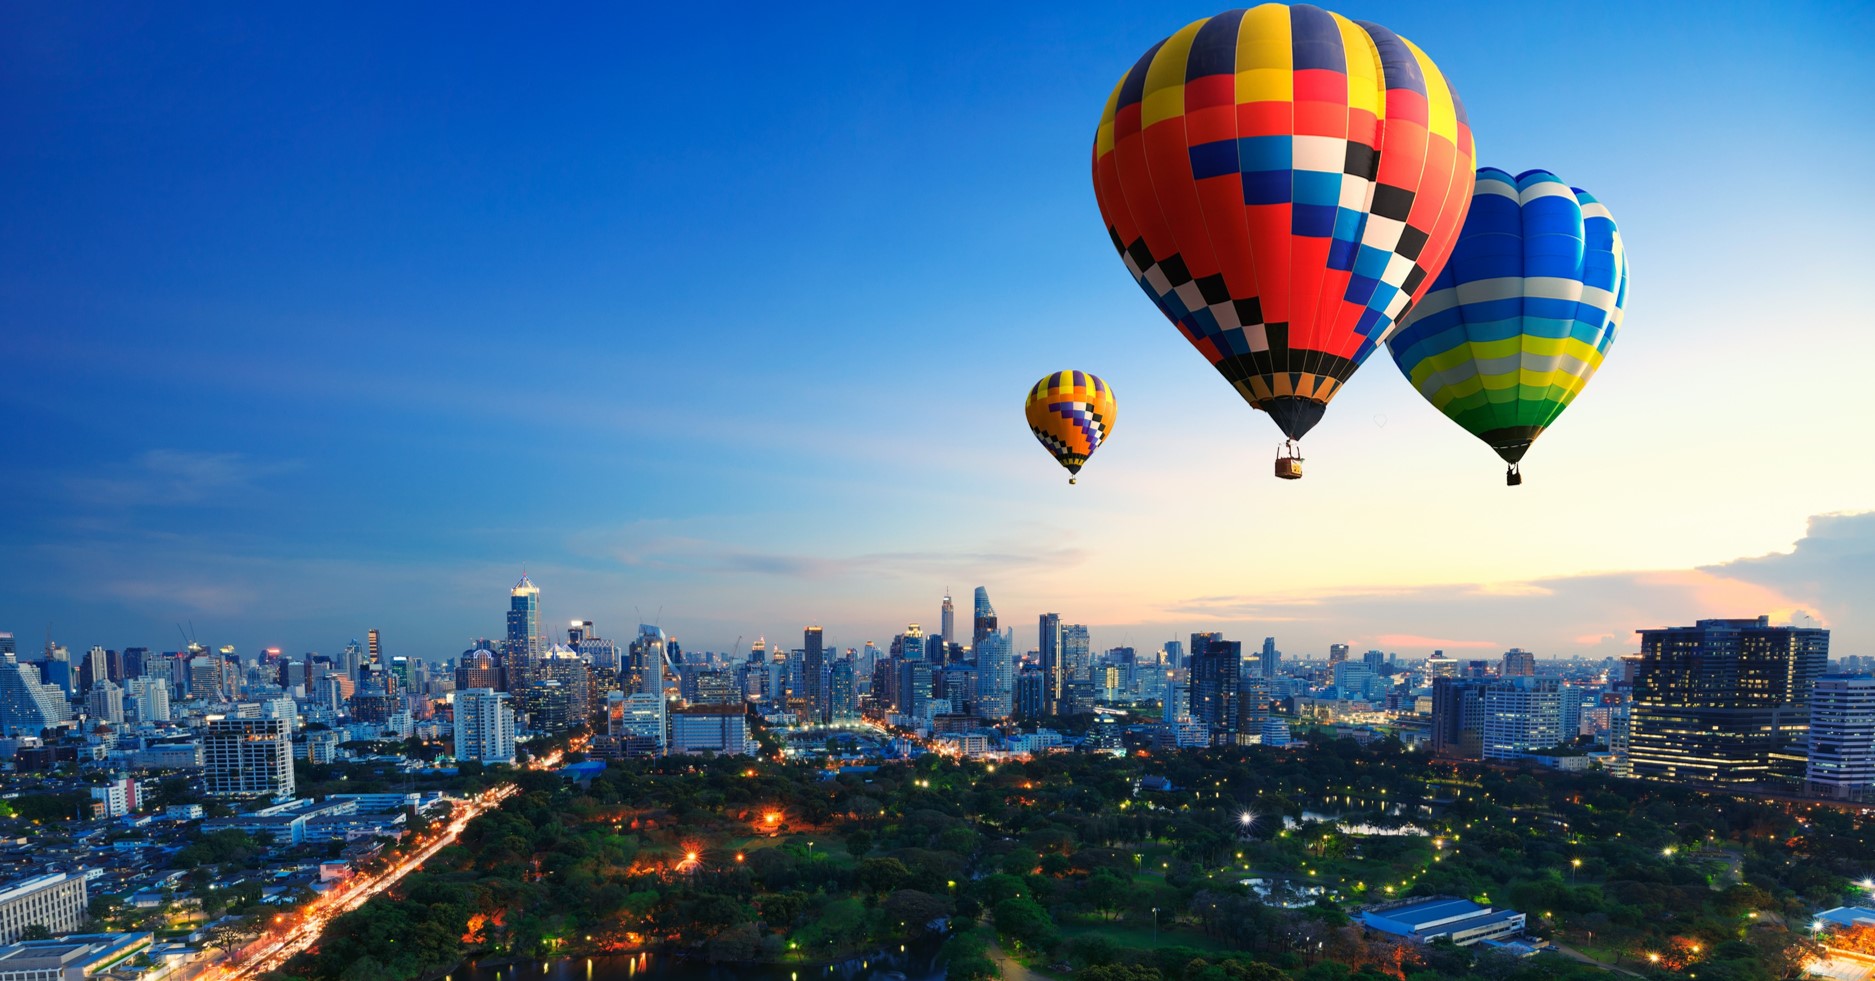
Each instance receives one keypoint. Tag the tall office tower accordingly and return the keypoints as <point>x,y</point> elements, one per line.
<point>578,631</point>
<point>842,691</point>
<point>523,644</point>
<point>94,668</point>
<point>28,705</point>
<point>1269,659</point>
<point>648,669</point>
<point>374,648</point>
<point>715,687</point>
<point>1337,653</point>
<point>1724,701</point>
<point>1198,644</point>
<point>7,644</point>
<point>248,757</point>
<point>1215,676</point>
<point>758,651</point>
<point>477,668</point>
<point>1520,715</point>
<point>105,703</point>
<point>352,658</point>
<point>984,618</point>
<point>947,620</point>
<point>1379,662</point>
<point>1048,647</point>
<point>996,680</point>
<point>1518,663</point>
<point>1457,718</point>
<point>1030,693</point>
<point>136,662</point>
<point>560,666</point>
<point>150,698</point>
<point>1077,652</point>
<point>1842,737</point>
<point>484,726</point>
<point>914,689</point>
<point>597,650</point>
<point>813,675</point>
<point>644,661</point>
<point>1174,654</point>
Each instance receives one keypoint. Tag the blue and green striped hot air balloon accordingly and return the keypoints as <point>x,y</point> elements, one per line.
<point>1522,315</point>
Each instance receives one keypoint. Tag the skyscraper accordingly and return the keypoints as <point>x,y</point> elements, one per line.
<point>1174,654</point>
<point>484,726</point>
<point>26,704</point>
<point>523,644</point>
<point>376,650</point>
<point>814,677</point>
<point>1520,715</point>
<point>1337,653</point>
<point>947,621</point>
<point>1519,663</point>
<point>1724,701</point>
<point>1048,645</point>
<point>1457,718</point>
<point>248,757</point>
<point>1077,651</point>
<point>1215,677</point>
<point>995,676</point>
<point>1199,642</point>
<point>1269,660</point>
<point>1842,737</point>
<point>984,618</point>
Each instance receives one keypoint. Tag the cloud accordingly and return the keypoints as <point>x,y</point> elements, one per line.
<point>1828,573</point>
<point>175,477</point>
<point>695,555</point>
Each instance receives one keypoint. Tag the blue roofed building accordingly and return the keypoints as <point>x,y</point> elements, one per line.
<point>1443,917</point>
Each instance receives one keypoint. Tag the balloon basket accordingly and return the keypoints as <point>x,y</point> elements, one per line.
<point>1289,461</point>
<point>1513,477</point>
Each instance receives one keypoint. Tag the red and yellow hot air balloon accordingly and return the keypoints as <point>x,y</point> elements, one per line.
<point>1071,413</point>
<point>1284,183</point>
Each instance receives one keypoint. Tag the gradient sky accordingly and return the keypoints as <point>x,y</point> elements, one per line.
<point>315,320</point>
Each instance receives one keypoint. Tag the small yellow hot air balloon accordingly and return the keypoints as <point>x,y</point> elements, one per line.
<point>1071,413</point>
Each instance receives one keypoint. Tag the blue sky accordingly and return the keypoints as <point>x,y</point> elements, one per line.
<point>318,320</point>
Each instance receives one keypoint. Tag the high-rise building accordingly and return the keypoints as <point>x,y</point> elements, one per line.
<point>1842,737</point>
<point>1379,662</point>
<point>1174,654</point>
<point>248,757</point>
<point>1216,673</point>
<point>1030,691</point>
<point>1077,652</point>
<point>150,698</point>
<point>1337,653</point>
<point>996,667</point>
<point>984,619</point>
<point>1199,642</point>
<point>1518,663</point>
<point>105,703</point>
<point>374,648</point>
<point>1457,718</point>
<point>1269,659</point>
<point>561,666</point>
<point>28,705</point>
<point>1521,714</point>
<point>523,643</point>
<point>842,690</point>
<point>1054,671</point>
<point>814,674</point>
<point>947,621</point>
<point>1724,701</point>
<point>484,726</point>
<point>95,667</point>
<point>719,729</point>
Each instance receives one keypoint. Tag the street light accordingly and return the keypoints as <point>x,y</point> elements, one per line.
<point>1155,926</point>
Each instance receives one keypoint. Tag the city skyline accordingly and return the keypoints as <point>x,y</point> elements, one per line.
<point>274,434</point>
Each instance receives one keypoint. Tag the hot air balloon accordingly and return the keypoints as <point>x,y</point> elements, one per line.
<point>1284,182</point>
<point>1522,316</point>
<point>1072,413</point>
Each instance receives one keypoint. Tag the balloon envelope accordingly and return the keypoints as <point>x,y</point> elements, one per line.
<point>1071,413</point>
<point>1284,182</point>
<point>1523,314</point>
